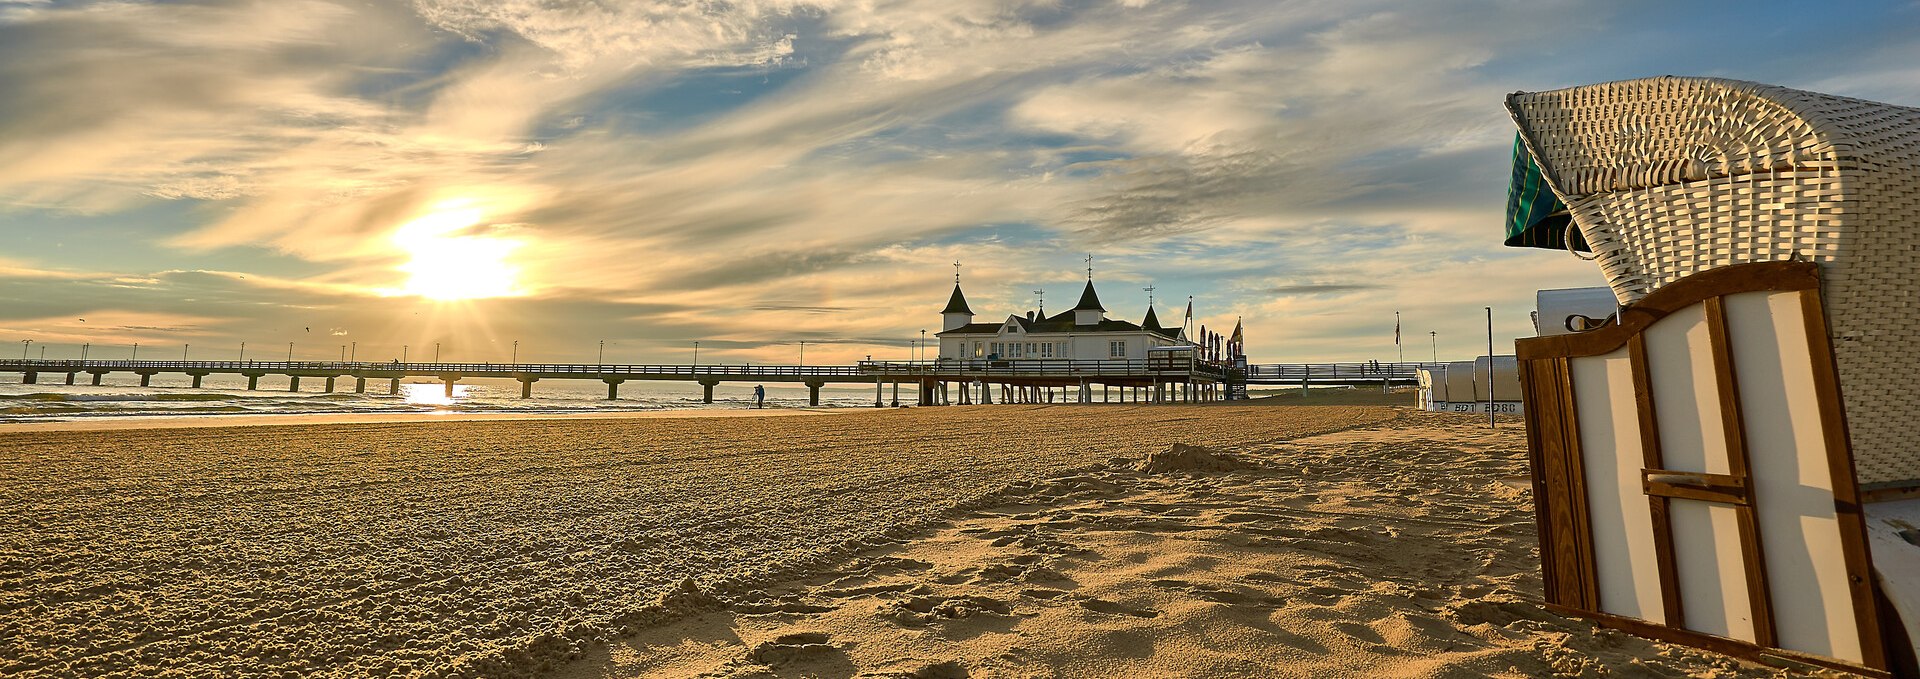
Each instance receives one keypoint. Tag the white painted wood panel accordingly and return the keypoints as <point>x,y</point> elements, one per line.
<point>1706,537</point>
<point>1625,564</point>
<point>1793,488</point>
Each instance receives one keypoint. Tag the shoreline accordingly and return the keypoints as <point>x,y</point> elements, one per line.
<point>137,422</point>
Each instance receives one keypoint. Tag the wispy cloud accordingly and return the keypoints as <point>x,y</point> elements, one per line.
<point>755,172</point>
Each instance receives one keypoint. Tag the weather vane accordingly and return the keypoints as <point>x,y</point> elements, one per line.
<point>1042,295</point>
<point>1089,267</point>
<point>1149,290</point>
<point>956,272</point>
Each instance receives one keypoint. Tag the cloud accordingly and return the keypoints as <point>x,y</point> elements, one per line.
<point>754,172</point>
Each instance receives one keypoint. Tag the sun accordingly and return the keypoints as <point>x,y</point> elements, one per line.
<point>447,260</point>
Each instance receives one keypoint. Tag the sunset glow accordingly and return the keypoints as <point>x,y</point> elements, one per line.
<point>449,261</point>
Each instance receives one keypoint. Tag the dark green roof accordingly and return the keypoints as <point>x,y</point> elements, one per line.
<point>1152,321</point>
<point>1088,300</point>
<point>957,304</point>
<point>1535,217</point>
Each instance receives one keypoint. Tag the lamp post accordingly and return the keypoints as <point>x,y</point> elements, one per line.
<point>603,354</point>
<point>83,350</point>
<point>289,352</point>
<point>353,351</point>
<point>243,352</point>
<point>923,345</point>
<point>516,352</point>
<point>136,352</point>
<point>183,351</point>
<point>436,352</point>
<point>403,353</point>
<point>28,344</point>
<point>696,352</point>
<point>1434,337</point>
<point>803,352</point>
<point>343,353</point>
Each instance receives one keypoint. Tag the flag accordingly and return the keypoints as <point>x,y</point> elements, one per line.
<point>1396,328</point>
<point>1237,345</point>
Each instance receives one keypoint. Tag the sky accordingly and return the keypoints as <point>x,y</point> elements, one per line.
<point>547,179</point>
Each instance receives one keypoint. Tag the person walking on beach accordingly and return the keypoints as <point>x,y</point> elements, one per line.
<point>759,396</point>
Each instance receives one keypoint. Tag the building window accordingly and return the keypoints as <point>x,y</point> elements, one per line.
<point>979,350</point>
<point>1117,349</point>
<point>1046,350</point>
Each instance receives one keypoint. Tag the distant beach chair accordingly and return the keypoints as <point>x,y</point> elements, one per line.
<point>1704,467</point>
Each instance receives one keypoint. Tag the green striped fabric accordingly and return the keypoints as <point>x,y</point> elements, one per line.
<point>1535,217</point>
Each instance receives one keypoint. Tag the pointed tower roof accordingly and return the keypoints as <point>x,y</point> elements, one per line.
<point>1088,300</point>
<point>1152,322</point>
<point>958,303</point>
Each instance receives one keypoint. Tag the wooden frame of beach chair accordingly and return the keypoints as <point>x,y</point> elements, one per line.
<point>1666,177</point>
<point>1693,477</point>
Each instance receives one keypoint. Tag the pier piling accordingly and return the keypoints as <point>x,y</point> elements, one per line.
<point>613,387</point>
<point>526,386</point>
<point>359,385</point>
<point>706,388</point>
<point>813,392</point>
<point>70,377</point>
<point>293,383</point>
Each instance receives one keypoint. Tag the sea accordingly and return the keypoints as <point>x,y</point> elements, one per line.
<point>172,395</point>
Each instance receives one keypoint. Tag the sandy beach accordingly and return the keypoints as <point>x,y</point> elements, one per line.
<point>1005,541</point>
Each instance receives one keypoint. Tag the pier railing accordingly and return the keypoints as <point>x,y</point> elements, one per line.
<point>349,367</point>
<point>1048,367</point>
<point>1351,373</point>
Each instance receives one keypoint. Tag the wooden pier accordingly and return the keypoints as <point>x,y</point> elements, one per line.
<point>940,382</point>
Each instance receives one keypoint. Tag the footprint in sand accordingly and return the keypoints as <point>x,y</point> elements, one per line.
<point>793,647</point>
<point>1116,608</point>
<point>928,609</point>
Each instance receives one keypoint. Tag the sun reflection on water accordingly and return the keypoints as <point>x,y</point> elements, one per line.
<point>433,395</point>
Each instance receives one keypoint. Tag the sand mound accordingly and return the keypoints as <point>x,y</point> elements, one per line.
<point>1181,457</point>
<point>1394,553</point>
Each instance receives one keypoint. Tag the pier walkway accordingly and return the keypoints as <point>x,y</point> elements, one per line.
<point>1152,380</point>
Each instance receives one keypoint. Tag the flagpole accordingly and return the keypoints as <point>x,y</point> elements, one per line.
<point>1396,337</point>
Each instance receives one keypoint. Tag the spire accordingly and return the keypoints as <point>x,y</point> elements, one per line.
<point>958,303</point>
<point>1153,321</point>
<point>1089,301</point>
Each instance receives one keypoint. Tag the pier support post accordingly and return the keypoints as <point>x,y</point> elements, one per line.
<point>813,393</point>
<point>330,384</point>
<point>966,393</point>
<point>70,377</point>
<point>34,378</point>
<point>706,390</point>
<point>449,380</point>
<point>146,379</point>
<point>879,393</point>
<point>96,378</point>
<point>359,385</point>
<point>393,387</point>
<point>293,383</point>
<point>196,379</point>
<point>896,393</point>
<point>253,381</point>
<point>526,386</point>
<point>613,387</point>
<point>986,393</point>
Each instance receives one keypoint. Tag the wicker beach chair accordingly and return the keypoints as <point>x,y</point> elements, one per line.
<point>1666,177</point>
